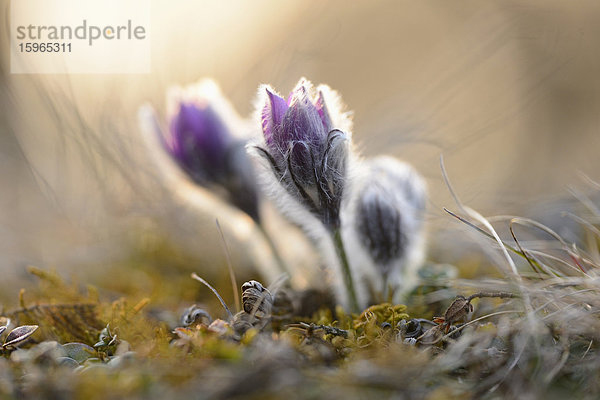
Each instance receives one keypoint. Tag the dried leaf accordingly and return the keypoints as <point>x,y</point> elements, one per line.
<point>195,314</point>
<point>19,334</point>
<point>458,310</point>
<point>256,299</point>
<point>219,327</point>
<point>432,336</point>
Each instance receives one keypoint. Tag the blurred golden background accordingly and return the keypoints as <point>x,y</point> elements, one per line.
<point>507,91</point>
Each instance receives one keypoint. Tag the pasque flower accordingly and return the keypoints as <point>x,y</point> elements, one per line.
<point>307,151</point>
<point>199,138</point>
<point>385,232</point>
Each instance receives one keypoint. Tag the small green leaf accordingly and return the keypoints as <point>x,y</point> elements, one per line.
<point>67,361</point>
<point>79,351</point>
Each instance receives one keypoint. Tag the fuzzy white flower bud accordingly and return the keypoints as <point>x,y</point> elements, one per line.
<point>383,228</point>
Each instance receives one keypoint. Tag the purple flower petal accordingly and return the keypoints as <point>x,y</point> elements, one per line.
<point>322,110</point>
<point>198,140</point>
<point>302,121</point>
<point>272,115</point>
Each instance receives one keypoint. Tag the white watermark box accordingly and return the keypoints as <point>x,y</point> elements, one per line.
<point>79,36</point>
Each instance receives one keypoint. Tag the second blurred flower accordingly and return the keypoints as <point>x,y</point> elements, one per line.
<point>200,138</point>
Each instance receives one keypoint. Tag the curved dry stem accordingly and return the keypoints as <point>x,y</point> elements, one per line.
<point>199,279</point>
<point>234,284</point>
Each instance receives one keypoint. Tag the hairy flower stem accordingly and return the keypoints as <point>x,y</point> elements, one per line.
<point>280,263</point>
<point>348,281</point>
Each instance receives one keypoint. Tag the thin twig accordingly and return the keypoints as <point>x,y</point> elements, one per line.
<point>500,295</point>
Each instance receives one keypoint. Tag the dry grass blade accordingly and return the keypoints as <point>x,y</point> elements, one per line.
<point>498,261</point>
<point>475,215</point>
<point>589,180</point>
<point>582,221</point>
<point>587,350</point>
<point>199,279</point>
<point>545,266</point>
<point>234,284</point>
<point>586,201</point>
<point>575,256</point>
<point>449,185</point>
<point>488,235</point>
<point>460,328</point>
<point>512,232</point>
